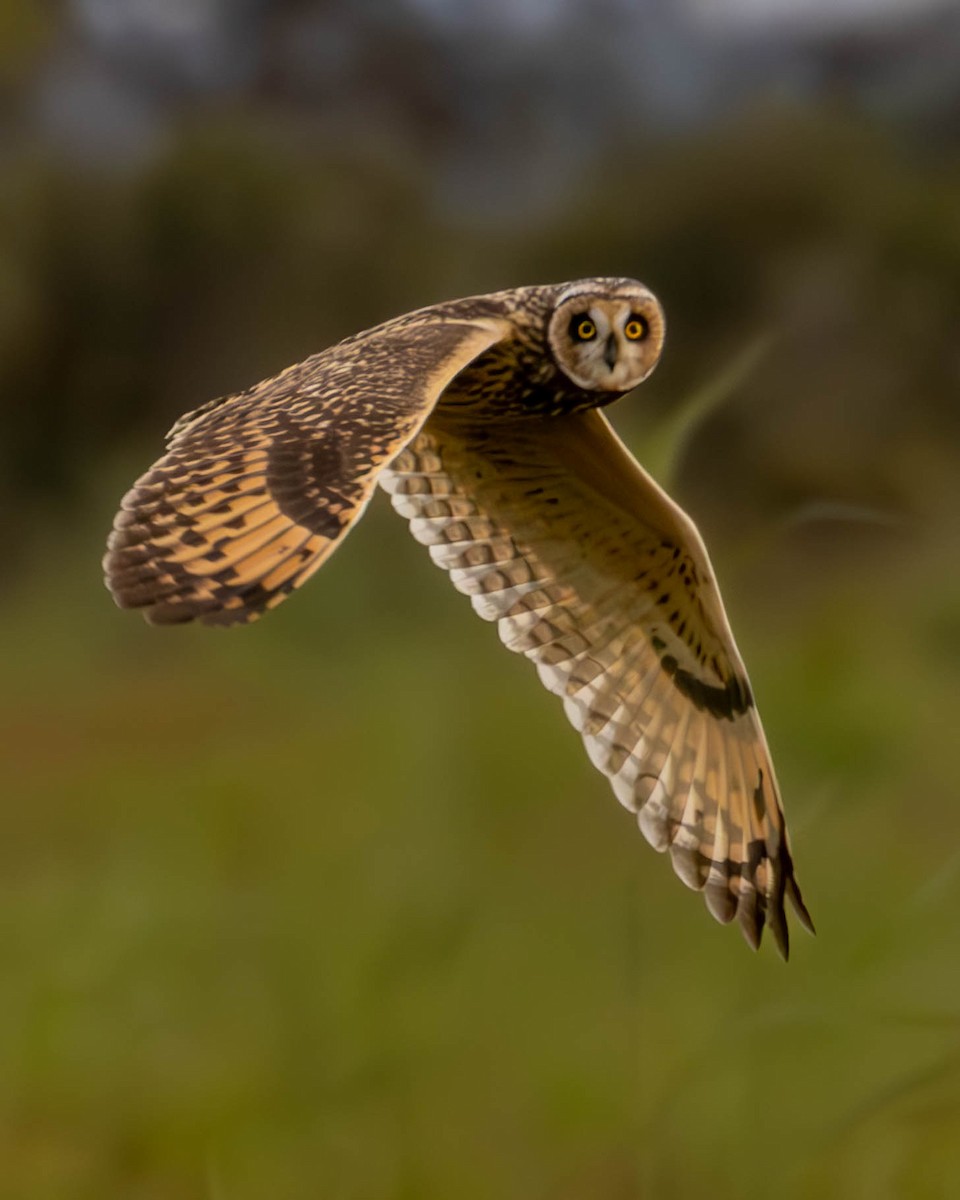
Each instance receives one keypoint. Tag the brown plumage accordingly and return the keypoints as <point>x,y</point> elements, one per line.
<point>481,419</point>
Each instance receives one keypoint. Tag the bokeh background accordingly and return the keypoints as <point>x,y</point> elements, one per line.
<point>335,906</point>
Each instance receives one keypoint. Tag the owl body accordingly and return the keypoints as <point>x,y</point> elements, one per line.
<point>479,417</point>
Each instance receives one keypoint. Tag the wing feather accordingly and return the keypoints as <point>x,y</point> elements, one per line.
<point>256,490</point>
<point>592,573</point>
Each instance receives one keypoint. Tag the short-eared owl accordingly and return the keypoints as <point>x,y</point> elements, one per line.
<point>481,418</point>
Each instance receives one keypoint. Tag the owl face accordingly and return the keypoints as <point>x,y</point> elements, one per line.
<point>606,339</point>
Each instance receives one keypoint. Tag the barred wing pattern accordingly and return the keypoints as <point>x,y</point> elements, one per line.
<point>256,490</point>
<point>588,568</point>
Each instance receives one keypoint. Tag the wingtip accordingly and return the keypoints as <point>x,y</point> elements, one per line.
<point>751,935</point>
<point>780,930</point>
<point>750,917</point>
<point>803,916</point>
<point>720,901</point>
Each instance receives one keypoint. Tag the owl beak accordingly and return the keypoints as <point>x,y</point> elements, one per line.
<point>610,351</point>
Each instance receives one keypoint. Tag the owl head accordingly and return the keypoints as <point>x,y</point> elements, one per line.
<point>606,334</point>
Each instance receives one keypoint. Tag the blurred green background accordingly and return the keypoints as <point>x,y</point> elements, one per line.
<point>335,906</point>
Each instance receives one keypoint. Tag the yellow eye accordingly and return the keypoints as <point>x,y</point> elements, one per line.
<point>583,329</point>
<point>636,329</point>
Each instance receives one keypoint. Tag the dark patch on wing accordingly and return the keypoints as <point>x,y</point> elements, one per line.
<point>313,480</point>
<point>759,800</point>
<point>729,701</point>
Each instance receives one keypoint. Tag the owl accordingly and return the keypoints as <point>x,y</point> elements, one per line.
<point>483,420</point>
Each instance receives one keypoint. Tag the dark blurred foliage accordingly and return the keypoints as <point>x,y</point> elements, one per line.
<point>335,905</point>
<point>268,209</point>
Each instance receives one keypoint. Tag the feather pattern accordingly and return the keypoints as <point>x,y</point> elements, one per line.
<point>256,490</point>
<point>604,584</point>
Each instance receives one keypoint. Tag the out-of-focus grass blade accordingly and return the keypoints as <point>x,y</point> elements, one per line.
<point>751,550</point>
<point>661,447</point>
<point>913,1087</point>
<point>215,1190</point>
<point>815,511</point>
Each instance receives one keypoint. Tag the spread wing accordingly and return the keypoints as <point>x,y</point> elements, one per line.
<point>257,489</point>
<point>556,533</point>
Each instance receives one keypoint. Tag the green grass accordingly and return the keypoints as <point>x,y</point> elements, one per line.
<point>335,905</point>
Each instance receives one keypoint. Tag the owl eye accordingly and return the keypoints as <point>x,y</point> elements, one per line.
<point>636,329</point>
<point>582,329</point>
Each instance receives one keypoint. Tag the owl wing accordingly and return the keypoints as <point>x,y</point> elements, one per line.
<point>257,489</point>
<point>591,571</point>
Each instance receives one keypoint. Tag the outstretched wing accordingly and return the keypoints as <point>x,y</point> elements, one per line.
<point>257,489</point>
<point>556,533</point>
